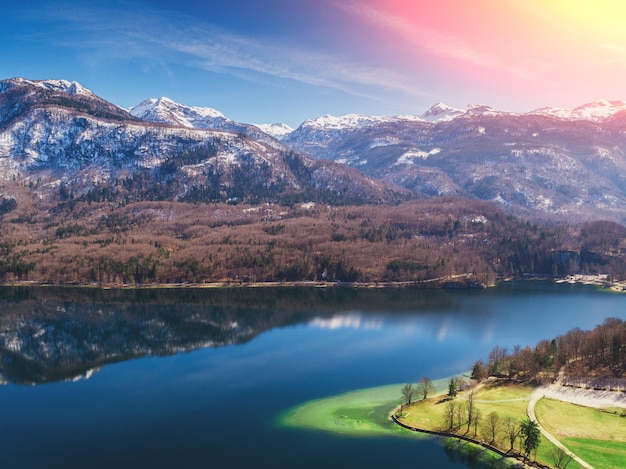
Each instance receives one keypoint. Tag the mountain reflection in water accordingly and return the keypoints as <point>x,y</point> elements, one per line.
<point>53,334</point>
<point>49,335</point>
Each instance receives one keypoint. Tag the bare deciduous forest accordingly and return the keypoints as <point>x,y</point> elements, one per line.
<point>426,242</point>
<point>595,358</point>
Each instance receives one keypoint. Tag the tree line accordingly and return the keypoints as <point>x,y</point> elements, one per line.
<point>597,355</point>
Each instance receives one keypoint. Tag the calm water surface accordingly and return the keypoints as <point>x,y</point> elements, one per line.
<point>197,378</point>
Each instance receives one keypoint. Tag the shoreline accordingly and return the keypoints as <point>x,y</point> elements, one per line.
<point>451,282</point>
<point>447,283</point>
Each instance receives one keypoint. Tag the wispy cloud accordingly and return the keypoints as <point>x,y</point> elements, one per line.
<point>165,37</point>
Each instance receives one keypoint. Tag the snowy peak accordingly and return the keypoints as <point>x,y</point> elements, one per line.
<point>69,87</point>
<point>349,121</point>
<point>442,112</point>
<point>60,86</point>
<point>166,111</point>
<point>19,96</point>
<point>279,130</point>
<point>352,121</point>
<point>480,109</point>
<point>438,113</point>
<point>596,111</point>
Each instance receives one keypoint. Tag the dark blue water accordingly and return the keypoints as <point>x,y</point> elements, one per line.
<point>196,379</point>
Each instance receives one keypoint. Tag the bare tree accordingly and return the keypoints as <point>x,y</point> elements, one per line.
<point>399,412</point>
<point>477,419</point>
<point>494,425</point>
<point>560,458</point>
<point>408,392</point>
<point>461,416</point>
<point>450,413</point>
<point>512,429</point>
<point>460,383</point>
<point>497,358</point>
<point>471,408</point>
<point>425,387</point>
<point>479,371</point>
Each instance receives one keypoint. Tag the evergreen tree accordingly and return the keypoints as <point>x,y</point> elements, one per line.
<point>531,436</point>
<point>452,390</point>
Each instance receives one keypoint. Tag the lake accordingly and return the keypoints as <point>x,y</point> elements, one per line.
<point>198,378</point>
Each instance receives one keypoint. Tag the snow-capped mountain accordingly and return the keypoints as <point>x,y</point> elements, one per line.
<point>340,123</point>
<point>596,111</point>
<point>547,163</point>
<point>164,110</point>
<point>277,130</point>
<point>539,164</point>
<point>326,128</point>
<point>168,112</point>
<point>438,113</point>
<point>442,112</point>
<point>69,87</point>
<point>60,134</point>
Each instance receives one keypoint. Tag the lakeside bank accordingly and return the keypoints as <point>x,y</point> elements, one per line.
<point>460,281</point>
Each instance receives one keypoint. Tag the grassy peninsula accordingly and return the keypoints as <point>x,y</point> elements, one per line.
<point>557,405</point>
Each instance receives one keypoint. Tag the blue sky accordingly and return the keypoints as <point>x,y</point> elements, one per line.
<point>289,60</point>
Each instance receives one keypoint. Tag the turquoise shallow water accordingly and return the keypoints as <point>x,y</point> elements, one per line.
<point>197,378</point>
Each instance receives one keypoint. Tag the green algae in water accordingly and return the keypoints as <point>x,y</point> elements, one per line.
<point>364,412</point>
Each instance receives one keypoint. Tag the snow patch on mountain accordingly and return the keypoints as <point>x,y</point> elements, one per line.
<point>410,156</point>
<point>438,113</point>
<point>384,142</point>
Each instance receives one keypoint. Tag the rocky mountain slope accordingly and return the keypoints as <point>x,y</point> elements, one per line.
<point>560,164</point>
<point>62,140</point>
<point>550,163</point>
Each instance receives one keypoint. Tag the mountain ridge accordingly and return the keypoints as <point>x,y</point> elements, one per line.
<point>90,194</point>
<point>63,136</point>
<point>550,163</point>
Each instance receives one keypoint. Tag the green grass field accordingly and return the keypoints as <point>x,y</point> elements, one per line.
<point>599,453</point>
<point>598,437</point>
<point>505,399</point>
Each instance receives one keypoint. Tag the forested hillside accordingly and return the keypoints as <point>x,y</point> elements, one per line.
<point>594,358</point>
<point>433,242</point>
